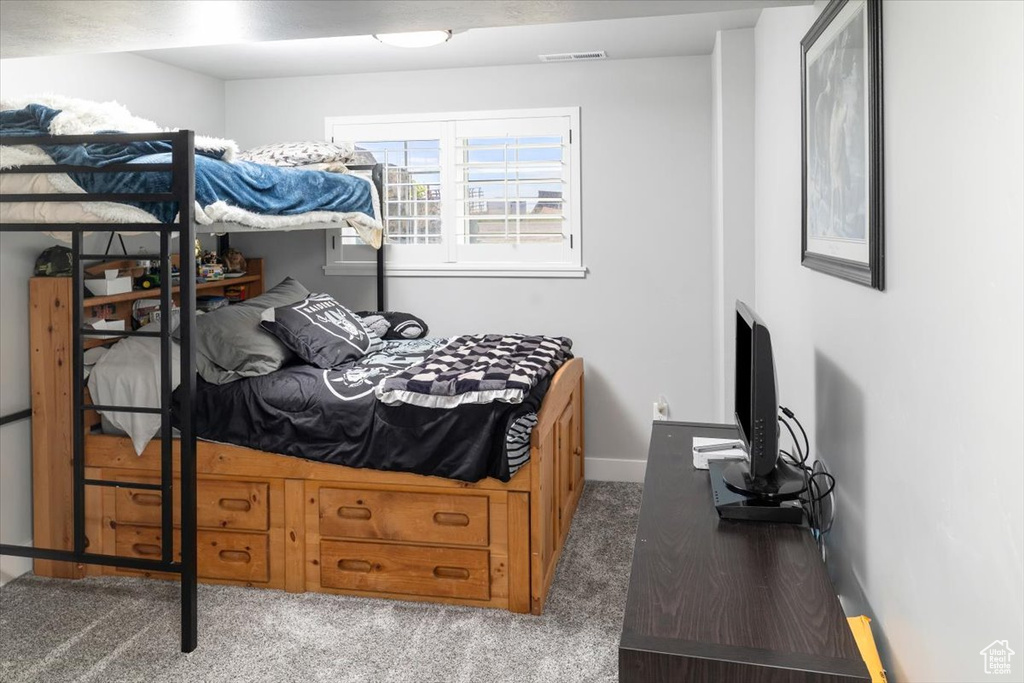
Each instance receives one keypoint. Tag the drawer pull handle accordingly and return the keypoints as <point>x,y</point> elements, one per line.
<point>150,499</point>
<point>451,519</point>
<point>235,504</point>
<point>354,513</point>
<point>235,556</point>
<point>146,549</point>
<point>361,566</point>
<point>458,573</point>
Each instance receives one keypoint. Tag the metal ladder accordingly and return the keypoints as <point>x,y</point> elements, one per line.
<point>182,170</point>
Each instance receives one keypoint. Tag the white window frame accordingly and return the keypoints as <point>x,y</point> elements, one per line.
<point>402,261</point>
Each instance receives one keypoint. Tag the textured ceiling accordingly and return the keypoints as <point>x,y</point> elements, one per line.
<point>53,27</point>
<point>679,35</point>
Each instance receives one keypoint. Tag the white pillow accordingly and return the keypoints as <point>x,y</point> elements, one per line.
<point>299,153</point>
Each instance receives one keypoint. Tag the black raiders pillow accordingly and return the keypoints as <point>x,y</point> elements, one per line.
<point>321,331</point>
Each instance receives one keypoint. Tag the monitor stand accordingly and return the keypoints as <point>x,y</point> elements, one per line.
<point>732,504</point>
<point>784,482</point>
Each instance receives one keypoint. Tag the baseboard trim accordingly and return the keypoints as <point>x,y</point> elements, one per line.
<point>615,469</point>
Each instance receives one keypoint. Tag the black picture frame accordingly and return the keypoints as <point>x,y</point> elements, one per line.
<point>822,248</point>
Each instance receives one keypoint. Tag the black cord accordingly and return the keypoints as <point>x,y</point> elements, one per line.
<point>802,463</point>
<point>819,485</point>
<point>111,241</point>
<point>827,493</point>
<point>813,509</point>
<point>792,416</point>
<point>788,457</point>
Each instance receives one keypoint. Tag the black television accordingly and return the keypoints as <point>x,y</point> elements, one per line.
<point>763,475</point>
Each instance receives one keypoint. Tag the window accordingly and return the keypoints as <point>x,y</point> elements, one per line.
<point>475,193</point>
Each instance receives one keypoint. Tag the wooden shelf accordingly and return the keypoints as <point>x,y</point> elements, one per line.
<point>154,293</point>
<point>119,306</point>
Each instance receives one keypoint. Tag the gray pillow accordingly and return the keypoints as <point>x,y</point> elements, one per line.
<point>230,344</point>
<point>213,373</point>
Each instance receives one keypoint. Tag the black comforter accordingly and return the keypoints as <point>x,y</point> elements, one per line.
<point>333,416</point>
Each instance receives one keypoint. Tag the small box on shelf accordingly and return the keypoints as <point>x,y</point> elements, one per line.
<point>101,324</point>
<point>109,285</point>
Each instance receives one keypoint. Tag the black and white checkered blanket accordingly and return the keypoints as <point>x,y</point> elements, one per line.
<point>478,369</point>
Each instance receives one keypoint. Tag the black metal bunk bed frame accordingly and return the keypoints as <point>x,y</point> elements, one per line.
<point>182,169</point>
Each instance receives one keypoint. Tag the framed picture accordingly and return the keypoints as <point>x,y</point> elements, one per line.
<point>841,116</point>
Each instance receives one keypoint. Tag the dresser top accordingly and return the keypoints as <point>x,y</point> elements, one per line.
<point>710,588</point>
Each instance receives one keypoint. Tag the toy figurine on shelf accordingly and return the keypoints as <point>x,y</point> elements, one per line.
<point>233,260</point>
<point>209,267</point>
<point>148,279</point>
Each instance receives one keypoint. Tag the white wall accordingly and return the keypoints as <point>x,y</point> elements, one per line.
<point>168,95</point>
<point>914,396</point>
<point>641,317</point>
<point>732,197</point>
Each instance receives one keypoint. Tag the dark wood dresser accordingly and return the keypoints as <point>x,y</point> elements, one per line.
<point>716,600</point>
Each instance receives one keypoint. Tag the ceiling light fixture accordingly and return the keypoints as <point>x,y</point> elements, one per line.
<point>414,38</point>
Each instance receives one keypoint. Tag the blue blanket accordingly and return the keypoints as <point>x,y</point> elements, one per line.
<point>267,190</point>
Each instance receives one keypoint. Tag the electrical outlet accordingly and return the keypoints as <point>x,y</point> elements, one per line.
<point>659,409</point>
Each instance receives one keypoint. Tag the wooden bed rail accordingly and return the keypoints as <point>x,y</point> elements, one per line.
<point>563,384</point>
<point>511,565</point>
<point>557,475</point>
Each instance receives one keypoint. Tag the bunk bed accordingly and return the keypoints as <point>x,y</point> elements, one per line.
<point>247,517</point>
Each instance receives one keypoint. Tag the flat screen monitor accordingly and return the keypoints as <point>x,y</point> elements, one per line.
<point>744,349</point>
<point>756,411</point>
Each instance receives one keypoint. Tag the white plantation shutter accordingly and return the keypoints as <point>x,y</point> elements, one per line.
<point>411,207</point>
<point>470,191</point>
<point>512,184</point>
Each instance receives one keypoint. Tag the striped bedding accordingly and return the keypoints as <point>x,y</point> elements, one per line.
<point>517,441</point>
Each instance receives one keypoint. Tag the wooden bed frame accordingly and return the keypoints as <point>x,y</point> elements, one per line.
<point>274,521</point>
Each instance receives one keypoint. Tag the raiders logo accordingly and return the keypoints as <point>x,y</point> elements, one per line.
<point>324,312</point>
<point>359,379</point>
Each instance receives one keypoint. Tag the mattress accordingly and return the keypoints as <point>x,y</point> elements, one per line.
<point>218,218</point>
<point>326,415</point>
<point>333,416</point>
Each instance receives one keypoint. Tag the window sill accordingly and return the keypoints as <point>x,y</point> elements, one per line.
<point>458,270</point>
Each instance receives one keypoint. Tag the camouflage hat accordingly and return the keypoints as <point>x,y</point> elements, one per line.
<point>54,262</point>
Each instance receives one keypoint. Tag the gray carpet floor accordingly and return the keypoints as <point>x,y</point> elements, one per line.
<point>115,629</point>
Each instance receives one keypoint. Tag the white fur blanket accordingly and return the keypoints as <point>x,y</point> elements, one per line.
<point>82,117</point>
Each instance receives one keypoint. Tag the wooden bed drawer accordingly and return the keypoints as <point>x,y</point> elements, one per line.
<point>221,504</point>
<point>144,542</point>
<point>227,555</point>
<point>221,555</point>
<point>406,569</point>
<point>402,516</point>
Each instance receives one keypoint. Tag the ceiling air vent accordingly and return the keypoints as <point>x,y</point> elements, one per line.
<point>573,56</point>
